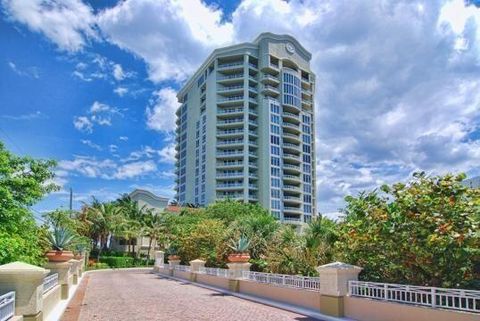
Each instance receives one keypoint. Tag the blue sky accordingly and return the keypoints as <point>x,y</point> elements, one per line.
<point>398,86</point>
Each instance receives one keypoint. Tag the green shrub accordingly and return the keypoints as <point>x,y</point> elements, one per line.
<point>98,266</point>
<point>117,261</point>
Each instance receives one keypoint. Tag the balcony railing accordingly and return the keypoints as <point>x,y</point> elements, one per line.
<point>50,282</point>
<point>221,100</point>
<point>182,268</point>
<point>230,121</point>
<point>229,185</point>
<point>224,273</point>
<point>231,64</point>
<point>284,280</point>
<point>223,77</point>
<point>7,306</point>
<point>229,164</point>
<point>230,111</point>
<point>455,299</point>
<point>229,132</point>
<point>229,88</point>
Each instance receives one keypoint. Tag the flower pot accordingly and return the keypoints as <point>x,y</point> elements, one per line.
<point>238,257</point>
<point>59,256</point>
<point>173,257</point>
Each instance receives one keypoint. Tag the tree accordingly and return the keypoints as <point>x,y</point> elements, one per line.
<point>154,228</point>
<point>23,182</point>
<point>425,232</point>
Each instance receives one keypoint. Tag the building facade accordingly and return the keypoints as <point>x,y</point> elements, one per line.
<point>245,129</point>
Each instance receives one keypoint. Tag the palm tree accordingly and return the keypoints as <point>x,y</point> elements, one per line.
<point>134,214</point>
<point>154,228</point>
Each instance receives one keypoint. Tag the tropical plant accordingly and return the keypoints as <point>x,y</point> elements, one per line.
<point>23,182</point>
<point>60,238</point>
<point>241,245</point>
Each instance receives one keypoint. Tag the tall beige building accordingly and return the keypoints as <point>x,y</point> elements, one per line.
<point>245,129</point>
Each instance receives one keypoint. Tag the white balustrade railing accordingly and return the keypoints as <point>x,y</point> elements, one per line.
<point>50,282</point>
<point>284,280</point>
<point>214,271</point>
<point>456,299</point>
<point>182,268</point>
<point>7,306</point>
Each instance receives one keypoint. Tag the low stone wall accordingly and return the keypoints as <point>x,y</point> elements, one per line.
<point>50,300</point>
<point>181,275</point>
<point>213,281</point>
<point>363,309</point>
<point>164,270</point>
<point>299,297</point>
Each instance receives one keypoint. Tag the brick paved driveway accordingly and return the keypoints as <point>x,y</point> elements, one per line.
<point>139,295</point>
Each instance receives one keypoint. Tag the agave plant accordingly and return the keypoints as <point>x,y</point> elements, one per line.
<point>240,246</point>
<point>60,238</point>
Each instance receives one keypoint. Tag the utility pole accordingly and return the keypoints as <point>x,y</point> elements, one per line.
<point>71,201</point>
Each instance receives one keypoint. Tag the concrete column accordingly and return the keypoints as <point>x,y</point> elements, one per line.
<point>171,266</point>
<point>159,260</point>
<point>195,267</point>
<point>334,279</point>
<point>235,274</point>
<point>27,282</point>
<point>75,270</point>
<point>64,275</point>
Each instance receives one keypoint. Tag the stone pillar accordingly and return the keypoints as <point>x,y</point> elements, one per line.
<point>235,274</point>
<point>195,267</point>
<point>75,270</point>
<point>159,260</point>
<point>81,265</point>
<point>27,282</point>
<point>171,265</point>
<point>334,279</point>
<point>64,272</point>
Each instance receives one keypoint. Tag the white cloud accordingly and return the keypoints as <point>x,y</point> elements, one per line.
<point>123,138</point>
<point>29,116</point>
<point>161,113</point>
<point>99,113</point>
<point>83,124</point>
<point>91,144</point>
<point>171,36</point>
<point>106,168</point>
<point>69,24</point>
<point>113,148</point>
<point>167,154</point>
<point>121,91</point>
<point>26,72</point>
<point>135,169</point>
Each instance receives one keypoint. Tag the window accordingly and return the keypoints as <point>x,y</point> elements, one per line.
<point>275,171</point>
<point>306,129</point>
<point>306,139</point>
<point>276,204</point>
<point>275,119</point>
<point>275,140</point>
<point>275,193</point>
<point>307,158</point>
<point>307,178</point>
<point>275,150</point>
<point>274,108</point>
<point>275,161</point>
<point>307,168</point>
<point>275,182</point>
<point>307,188</point>
<point>307,208</point>
<point>306,149</point>
<point>307,198</point>
<point>275,129</point>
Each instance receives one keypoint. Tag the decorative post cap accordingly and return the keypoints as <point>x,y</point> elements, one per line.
<point>22,268</point>
<point>197,261</point>
<point>338,266</point>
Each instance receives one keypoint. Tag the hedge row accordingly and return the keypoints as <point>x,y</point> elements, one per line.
<point>117,261</point>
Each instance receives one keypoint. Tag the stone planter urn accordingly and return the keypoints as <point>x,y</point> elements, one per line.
<point>239,257</point>
<point>59,256</point>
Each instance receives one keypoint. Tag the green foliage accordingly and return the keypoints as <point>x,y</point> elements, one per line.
<point>60,238</point>
<point>117,261</point>
<point>23,182</point>
<point>98,266</point>
<point>241,245</point>
<point>425,232</point>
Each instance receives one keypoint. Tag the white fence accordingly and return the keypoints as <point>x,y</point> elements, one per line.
<point>182,268</point>
<point>214,271</point>
<point>7,306</point>
<point>50,282</point>
<point>284,280</point>
<point>457,299</point>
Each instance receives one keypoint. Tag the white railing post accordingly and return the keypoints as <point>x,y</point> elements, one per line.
<point>385,292</point>
<point>434,297</point>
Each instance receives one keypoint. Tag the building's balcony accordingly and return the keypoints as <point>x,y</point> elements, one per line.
<point>252,111</point>
<point>233,196</point>
<point>229,79</point>
<point>222,175</point>
<point>271,67</point>
<point>292,200</point>
<point>294,138</point>
<point>270,90</point>
<point>252,79</point>
<point>252,165</point>
<point>307,93</point>
<point>229,123</point>
<point>287,107</point>
<point>253,89</point>
<point>253,154</point>
<point>252,100</point>
<point>270,79</point>
<point>230,112</point>
<point>252,176</point>
<point>252,187</point>
<point>293,220</point>
<point>292,117</point>
<point>292,179</point>
<point>229,101</point>
<point>307,103</point>
<point>291,169</point>
<point>230,89</point>
<point>236,65</point>
<point>230,142</point>
<point>291,158</point>
<point>293,209</point>
<point>253,122</point>
<point>289,147</point>
<point>292,189</point>
<point>230,154</point>
<point>252,133</point>
<point>230,133</point>
<point>292,128</point>
<point>230,186</point>
<point>230,165</point>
